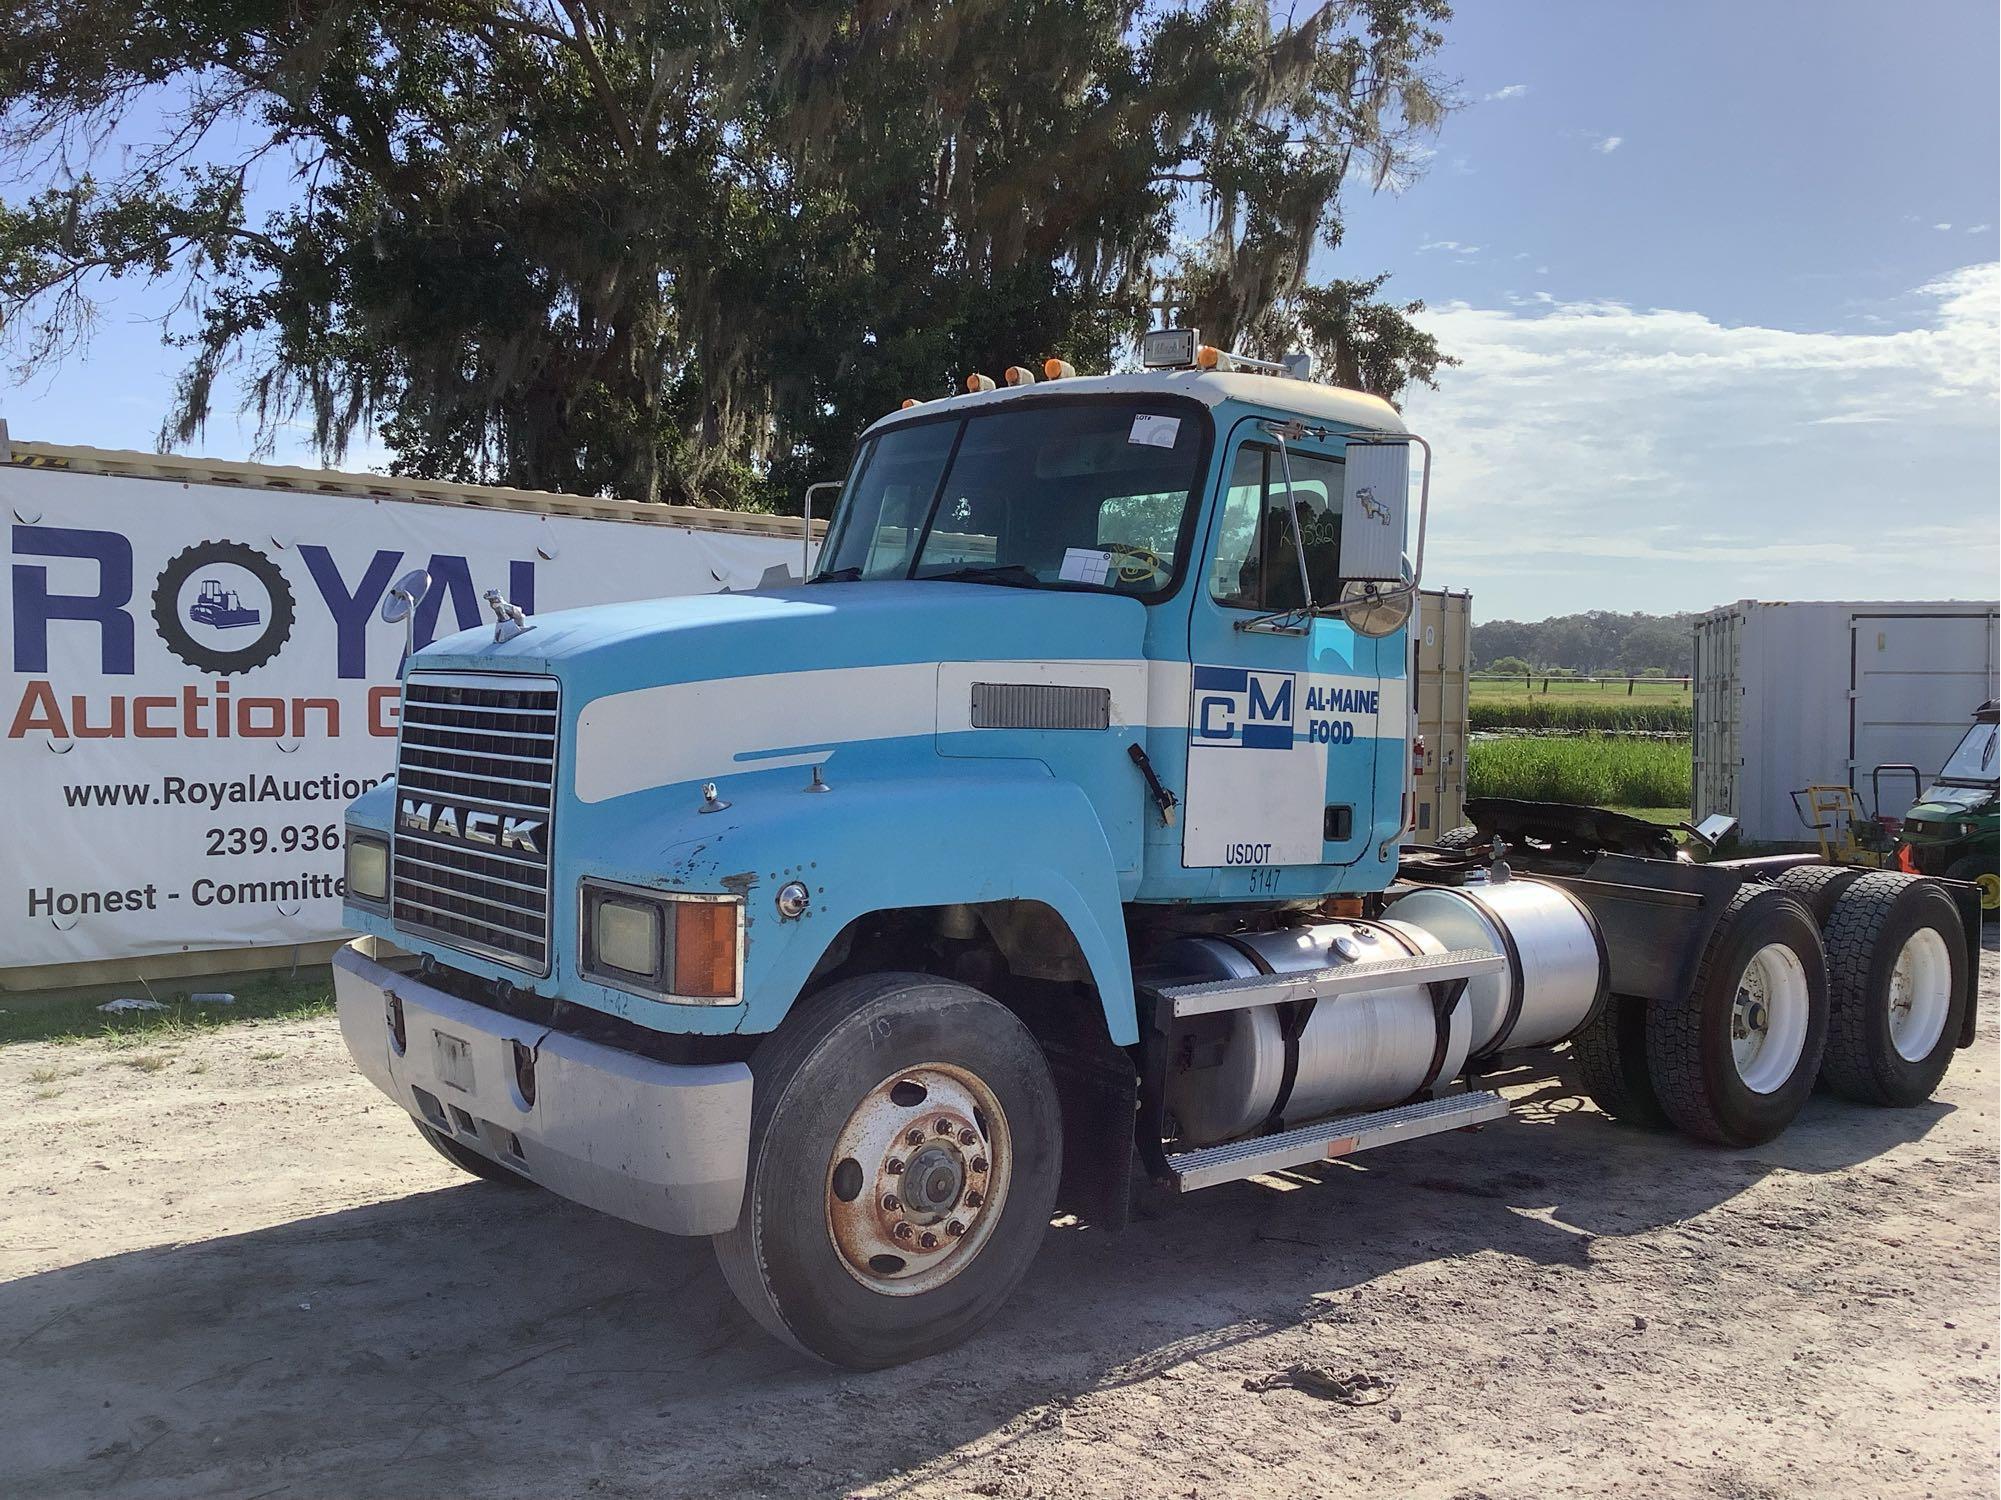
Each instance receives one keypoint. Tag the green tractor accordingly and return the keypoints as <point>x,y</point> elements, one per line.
<point>1954,828</point>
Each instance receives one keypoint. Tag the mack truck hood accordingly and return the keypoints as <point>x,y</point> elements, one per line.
<point>611,648</point>
<point>696,689</point>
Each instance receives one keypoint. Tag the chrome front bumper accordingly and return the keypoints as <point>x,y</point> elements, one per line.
<point>657,1143</point>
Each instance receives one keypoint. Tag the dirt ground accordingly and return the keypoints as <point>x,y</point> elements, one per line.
<point>241,1274</point>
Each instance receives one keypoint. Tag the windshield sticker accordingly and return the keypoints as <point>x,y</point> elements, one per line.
<point>1085,565</point>
<point>1154,432</point>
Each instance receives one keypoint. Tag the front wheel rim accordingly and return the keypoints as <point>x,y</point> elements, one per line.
<point>1990,891</point>
<point>1920,994</point>
<point>1768,1020</point>
<point>917,1179</point>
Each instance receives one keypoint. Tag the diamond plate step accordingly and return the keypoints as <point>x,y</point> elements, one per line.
<point>1327,1139</point>
<point>1212,995</point>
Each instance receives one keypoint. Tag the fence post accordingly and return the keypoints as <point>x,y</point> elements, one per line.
<point>1630,681</point>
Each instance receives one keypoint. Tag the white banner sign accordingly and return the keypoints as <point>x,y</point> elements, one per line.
<point>198,683</point>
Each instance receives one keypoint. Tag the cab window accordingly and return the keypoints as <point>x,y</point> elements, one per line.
<point>1257,562</point>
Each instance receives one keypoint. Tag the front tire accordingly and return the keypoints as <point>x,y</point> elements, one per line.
<point>1734,1060</point>
<point>905,1146</point>
<point>1897,988</point>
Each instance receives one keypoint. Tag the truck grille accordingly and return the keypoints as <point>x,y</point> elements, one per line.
<point>475,812</point>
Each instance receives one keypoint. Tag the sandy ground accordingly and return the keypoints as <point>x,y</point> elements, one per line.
<point>241,1274</point>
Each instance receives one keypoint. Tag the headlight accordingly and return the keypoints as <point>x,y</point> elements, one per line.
<point>626,935</point>
<point>367,868</point>
<point>674,948</point>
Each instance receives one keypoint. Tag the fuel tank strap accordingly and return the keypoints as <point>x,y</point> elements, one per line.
<point>1292,1021</point>
<point>1517,986</point>
<point>1445,994</point>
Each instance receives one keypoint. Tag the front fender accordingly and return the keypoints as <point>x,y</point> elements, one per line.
<point>968,832</point>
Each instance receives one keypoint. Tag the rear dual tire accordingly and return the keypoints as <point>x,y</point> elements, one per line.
<point>1734,1061</point>
<point>1897,968</point>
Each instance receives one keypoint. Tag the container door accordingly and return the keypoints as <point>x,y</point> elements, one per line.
<point>1283,722</point>
<point>1719,712</point>
<point>1916,681</point>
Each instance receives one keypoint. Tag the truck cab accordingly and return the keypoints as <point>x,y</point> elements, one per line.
<point>1048,835</point>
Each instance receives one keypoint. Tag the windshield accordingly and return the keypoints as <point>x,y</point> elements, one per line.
<point>1076,494</point>
<point>1974,759</point>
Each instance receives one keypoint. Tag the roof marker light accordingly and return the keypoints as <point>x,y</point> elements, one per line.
<point>1209,357</point>
<point>1020,375</point>
<point>1058,369</point>
<point>908,402</point>
<point>979,382</point>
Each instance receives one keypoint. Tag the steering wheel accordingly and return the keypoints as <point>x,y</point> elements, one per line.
<point>1137,564</point>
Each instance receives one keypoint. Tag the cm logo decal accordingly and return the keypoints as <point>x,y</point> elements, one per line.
<point>1236,708</point>
<point>223,607</point>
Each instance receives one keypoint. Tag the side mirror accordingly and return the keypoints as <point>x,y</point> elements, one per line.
<point>404,595</point>
<point>399,607</point>
<point>1375,509</point>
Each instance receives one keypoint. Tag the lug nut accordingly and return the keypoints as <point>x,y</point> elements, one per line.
<point>944,1127</point>
<point>967,1138</point>
<point>914,1137</point>
<point>894,1166</point>
<point>974,1199</point>
<point>955,1229</point>
<point>891,1203</point>
<point>927,1241</point>
<point>904,1231</point>
<point>979,1164</point>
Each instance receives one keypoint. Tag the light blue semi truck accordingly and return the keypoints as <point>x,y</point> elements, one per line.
<point>1048,839</point>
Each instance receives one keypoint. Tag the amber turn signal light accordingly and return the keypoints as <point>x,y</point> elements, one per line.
<point>705,949</point>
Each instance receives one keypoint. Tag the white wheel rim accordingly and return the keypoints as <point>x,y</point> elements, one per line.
<point>1768,1021</point>
<point>915,1184</point>
<point>1920,994</point>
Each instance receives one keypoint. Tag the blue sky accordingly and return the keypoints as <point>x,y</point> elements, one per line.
<point>1723,277</point>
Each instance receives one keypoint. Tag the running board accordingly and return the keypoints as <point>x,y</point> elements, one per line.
<point>1327,1139</point>
<point>1211,995</point>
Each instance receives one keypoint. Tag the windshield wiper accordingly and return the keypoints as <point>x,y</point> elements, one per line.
<point>1003,573</point>
<point>837,575</point>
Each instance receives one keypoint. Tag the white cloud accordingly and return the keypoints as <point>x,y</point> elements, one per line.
<point>1605,145</point>
<point>1594,455</point>
<point>1941,226</point>
<point>1454,247</point>
<point>1507,91</point>
<point>1978,228</point>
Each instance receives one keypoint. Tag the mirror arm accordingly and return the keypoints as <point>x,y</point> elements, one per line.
<point>1280,432</point>
<point>806,541</point>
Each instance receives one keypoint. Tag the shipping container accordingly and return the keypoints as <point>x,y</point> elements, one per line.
<point>1440,647</point>
<point>1793,695</point>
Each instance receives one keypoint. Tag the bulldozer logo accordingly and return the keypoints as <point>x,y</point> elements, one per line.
<point>223,607</point>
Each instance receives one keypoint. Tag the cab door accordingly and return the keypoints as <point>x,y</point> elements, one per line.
<point>1283,713</point>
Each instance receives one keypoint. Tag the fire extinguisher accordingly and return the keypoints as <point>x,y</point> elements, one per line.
<point>1417,756</point>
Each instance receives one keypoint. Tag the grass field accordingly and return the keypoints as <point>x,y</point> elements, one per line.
<point>1662,691</point>
<point>60,1019</point>
<point>1658,715</point>
<point>1588,770</point>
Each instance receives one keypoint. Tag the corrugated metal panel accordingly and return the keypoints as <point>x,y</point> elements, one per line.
<point>283,478</point>
<point>1441,647</point>
<point>1788,695</point>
